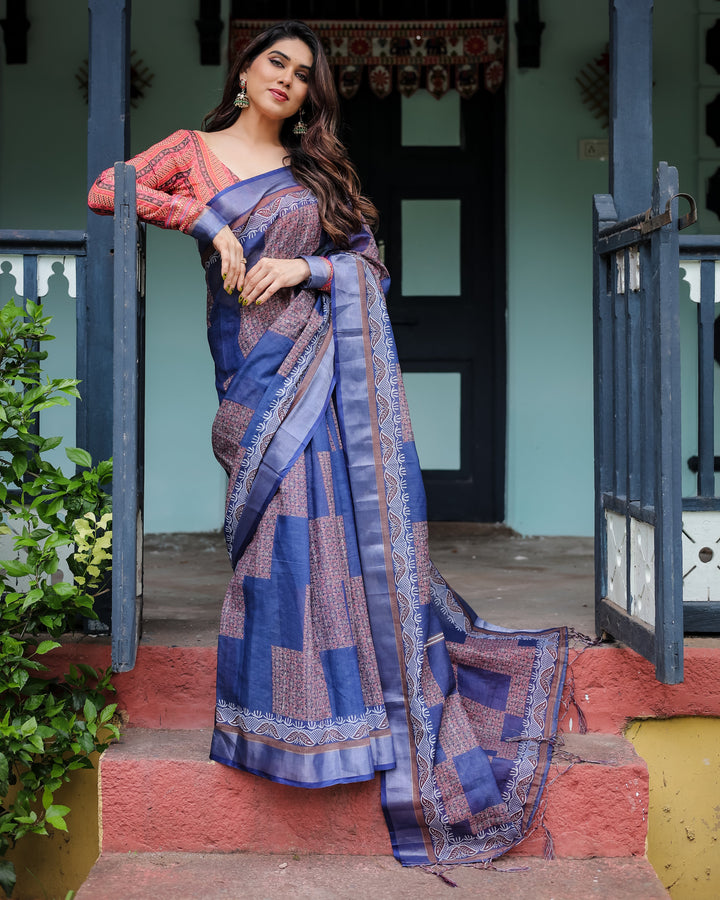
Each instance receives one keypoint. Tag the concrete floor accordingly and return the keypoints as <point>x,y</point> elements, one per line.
<point>513,581</point>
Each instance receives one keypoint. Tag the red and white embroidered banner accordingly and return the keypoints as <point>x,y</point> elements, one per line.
<point>437,55</point>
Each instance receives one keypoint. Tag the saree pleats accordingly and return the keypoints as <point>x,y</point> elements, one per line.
<point>342,651</point>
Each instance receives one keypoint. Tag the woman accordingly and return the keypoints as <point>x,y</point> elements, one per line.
<point>342,651</point>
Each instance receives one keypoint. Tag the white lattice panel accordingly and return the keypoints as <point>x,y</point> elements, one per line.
<point>56,267</point>
<point>616,559</point>
<point>642,571</point>
<point>701,556</point>
<point>690,269</point>
<point>11,267</point>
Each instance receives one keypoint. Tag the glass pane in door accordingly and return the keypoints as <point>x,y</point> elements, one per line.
<point>428,122</point>
<point>430,234</point>
<point>434,401</point>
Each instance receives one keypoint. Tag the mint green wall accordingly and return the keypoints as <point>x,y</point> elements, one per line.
<point>184,485</point>
<point>43,123</point>
<point>549,190</point>
<point>549,439</point>
<point>43,137</point>
<point>43,185</point>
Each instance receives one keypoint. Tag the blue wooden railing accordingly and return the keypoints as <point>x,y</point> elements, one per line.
<point>638,467</point>
<point>128,420</point>
<point>657,545</point>
<point>705,251</point>
<point>702,547</point>
<point>22,281</point>
<point>31,246</point>
<point>126,367</point>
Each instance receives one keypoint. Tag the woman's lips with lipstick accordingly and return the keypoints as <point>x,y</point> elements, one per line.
<point>279,95</point>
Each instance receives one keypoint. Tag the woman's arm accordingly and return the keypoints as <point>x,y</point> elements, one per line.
<point>164,195</point>
<point>268,275</point>
<point>362,244</point>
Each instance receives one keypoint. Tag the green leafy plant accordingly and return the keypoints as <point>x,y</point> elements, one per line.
<point>49,727</point>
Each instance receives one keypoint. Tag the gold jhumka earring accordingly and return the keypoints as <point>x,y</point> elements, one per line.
<point>241,101</point>
<point>300,127</point>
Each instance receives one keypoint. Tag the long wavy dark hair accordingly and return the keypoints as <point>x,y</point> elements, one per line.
<point>318,159</point>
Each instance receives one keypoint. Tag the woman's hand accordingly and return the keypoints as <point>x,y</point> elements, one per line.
<point>232,259</point>
<point>269,275</point>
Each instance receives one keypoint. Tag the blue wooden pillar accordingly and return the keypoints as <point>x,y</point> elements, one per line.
<point>631,151</point>
<point>108,142</point>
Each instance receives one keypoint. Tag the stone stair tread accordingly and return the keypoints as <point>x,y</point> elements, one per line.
<point>211,876</point>
<point>194,743</point>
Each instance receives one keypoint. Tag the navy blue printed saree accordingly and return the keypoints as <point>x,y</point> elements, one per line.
<point>342,651</point>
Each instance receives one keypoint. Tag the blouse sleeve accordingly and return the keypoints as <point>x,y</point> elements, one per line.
<point>362,244</point>
<point>164,193</point>
<point>321,272</point>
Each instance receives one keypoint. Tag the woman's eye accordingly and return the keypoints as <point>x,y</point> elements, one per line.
<point>302,76</point>
<point>276,62</point>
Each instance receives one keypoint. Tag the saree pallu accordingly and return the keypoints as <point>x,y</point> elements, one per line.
<point>342,650</point>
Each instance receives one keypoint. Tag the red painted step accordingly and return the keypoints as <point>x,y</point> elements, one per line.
<point>215,876</point>
<point>174,687</point>
<point>614,685</point>
<point>170,687</point>
<point>160,792</point>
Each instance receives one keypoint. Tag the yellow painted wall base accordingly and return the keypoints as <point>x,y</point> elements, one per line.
<point>683,758</point>
<point>48,867</point>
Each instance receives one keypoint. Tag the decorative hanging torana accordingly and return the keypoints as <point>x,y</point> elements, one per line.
<point>436,55</point>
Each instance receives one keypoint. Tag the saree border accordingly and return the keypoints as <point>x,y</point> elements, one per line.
<point>419,826</point>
